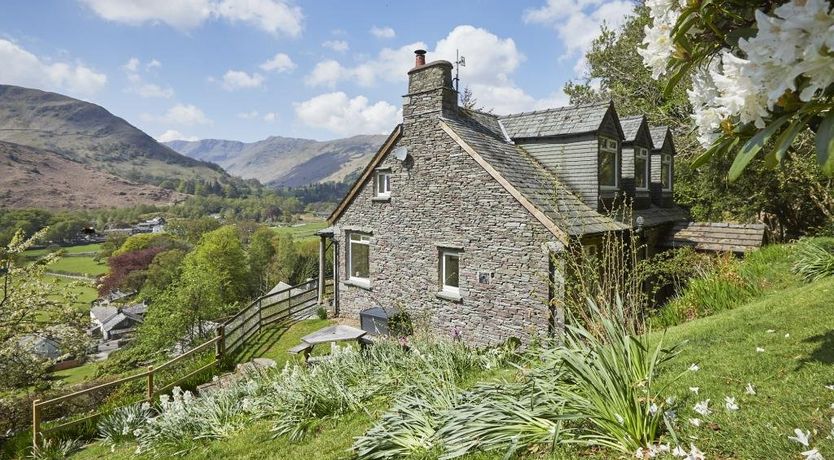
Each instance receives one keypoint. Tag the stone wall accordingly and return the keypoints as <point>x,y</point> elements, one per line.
<point>440,197</point>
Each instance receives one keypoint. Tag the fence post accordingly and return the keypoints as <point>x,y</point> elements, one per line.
<point>260,315</point>
<point>36,423</point>
<point>220,345</point>
<point>150,384</point>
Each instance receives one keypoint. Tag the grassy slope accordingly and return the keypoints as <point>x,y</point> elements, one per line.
<point>85,265</point>
<point>789,376</point>
<point>302,232</point>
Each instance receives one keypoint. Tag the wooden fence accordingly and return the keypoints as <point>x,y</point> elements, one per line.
<point>295,302</point>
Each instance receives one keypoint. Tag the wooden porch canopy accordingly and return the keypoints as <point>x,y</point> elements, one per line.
<point>716,236</point>
<point>324,235</point>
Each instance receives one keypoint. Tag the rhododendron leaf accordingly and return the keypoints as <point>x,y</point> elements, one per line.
<point>753,146</point>
<point>706,156</point>
<point>825,144</point>
<point>783,142</point>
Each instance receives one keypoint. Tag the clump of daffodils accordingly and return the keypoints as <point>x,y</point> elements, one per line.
<point>789,59</point>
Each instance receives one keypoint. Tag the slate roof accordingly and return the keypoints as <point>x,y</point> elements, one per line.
<point>655,216</point>
<point>118,319</point>
<point>658,134</point>
<point>561,121</point>
<point>532,180</point>
<point>138,309</point>
<point>630,127</point>
<point>714,236</point>
<point>103,313</point>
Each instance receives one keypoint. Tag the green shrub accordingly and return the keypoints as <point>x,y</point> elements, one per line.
<point>400,324</point>
<point>321,313</point>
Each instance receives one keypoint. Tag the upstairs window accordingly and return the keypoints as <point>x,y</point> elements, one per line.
<point>609,169</point>
<point>358,254</point>
<point>666,172</point>
<point>382,184</point>
<point>450,271</point>
<point>641,168</point>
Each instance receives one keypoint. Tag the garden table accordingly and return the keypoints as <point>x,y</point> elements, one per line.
<point>331,334</point>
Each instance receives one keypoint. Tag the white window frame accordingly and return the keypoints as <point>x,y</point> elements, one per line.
<point>455,290</point>
<point>382,183</point>
<point>365,239</point>
<point>666,162</point>
<point>642,153</point>
<point>608,145</point>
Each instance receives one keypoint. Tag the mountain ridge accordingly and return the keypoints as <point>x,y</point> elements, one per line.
<point>286,161</point>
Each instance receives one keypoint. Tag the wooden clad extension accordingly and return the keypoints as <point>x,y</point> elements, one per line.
<point>717,237</point>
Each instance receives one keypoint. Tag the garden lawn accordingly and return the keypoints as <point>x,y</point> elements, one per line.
<point>789,376</point>
<point>96,247</point>
<point>274,342</point>
<point>85,291</point>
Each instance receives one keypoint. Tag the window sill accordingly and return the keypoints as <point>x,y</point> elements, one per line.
<point>451,296</point>
<point>381,199</point>
<point>362,284</point>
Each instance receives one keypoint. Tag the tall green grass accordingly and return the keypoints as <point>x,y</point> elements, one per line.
<point>730,284</point>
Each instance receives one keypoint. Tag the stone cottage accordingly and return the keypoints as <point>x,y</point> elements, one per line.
<point>460,214</point>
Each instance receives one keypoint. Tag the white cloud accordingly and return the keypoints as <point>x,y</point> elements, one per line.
<point>383,32</point>
<point>238,79</point>
<point>180,114</point>
<point>20,67</point>
<point>174,135</point>
<point>388,65</point>
<point>340,114</point>
<point>270,117</point>
<point>248,115</point>
<point>340,46</point>
<point>273,16</point>
<point>577,22</point>
<point>139,86</point>
<point>281,62</point>
<point>327,73</point>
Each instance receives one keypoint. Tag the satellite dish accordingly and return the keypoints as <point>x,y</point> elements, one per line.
<point>400,153</point>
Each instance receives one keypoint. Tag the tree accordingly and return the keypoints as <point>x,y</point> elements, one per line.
<point>127,270</point>
<point>162,272</point>
<point>261,253</point>
<point>762,73</point>
<point>30,307</point>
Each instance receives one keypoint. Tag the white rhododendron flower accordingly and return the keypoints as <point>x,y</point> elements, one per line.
<point>795,41</point>
<point>679,452</point>
<point>759,350</point>
<point>830,387</point>
<point>802,437</point>
<point>730,403</point>
<point>703,408</point>
<point>694,453</point>
<point>751,390</point>
<point>812,454</point>
<point>695,422</point>
<point>694,368</point>
<point>694,389</point>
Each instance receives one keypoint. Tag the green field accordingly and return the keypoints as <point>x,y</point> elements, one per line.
<point>303,231</point>
<point>85,291</point>
<point>68,250</point>
<point>84,265</point>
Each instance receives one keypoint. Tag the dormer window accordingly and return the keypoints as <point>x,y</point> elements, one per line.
<point>609,168</point>
<point>641,168</point>
<point>666,172</point>
<point>382,184</point>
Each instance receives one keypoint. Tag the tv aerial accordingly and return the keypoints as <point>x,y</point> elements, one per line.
<point>460,61</point>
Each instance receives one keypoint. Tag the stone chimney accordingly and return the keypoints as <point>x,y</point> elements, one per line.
<point>430,91</point>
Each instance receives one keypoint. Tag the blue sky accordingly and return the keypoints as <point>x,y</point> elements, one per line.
<point>249,69</point>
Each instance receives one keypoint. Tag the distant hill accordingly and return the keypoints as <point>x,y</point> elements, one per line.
<point>90,135</point>
<point>35,178</point>
<point>286,161</point>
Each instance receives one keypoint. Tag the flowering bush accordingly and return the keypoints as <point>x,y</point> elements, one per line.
<point>759,71</point>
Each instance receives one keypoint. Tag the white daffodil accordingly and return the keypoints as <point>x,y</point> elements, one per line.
<point>695,422</point>
<point>694,368</point>
<point>759,350</point>
<point>640,453</point>
<point>750,390</point>
<point>679,452</point>
<point>694,453</point>
<point>694,389</point>
<point>730,403</point>
<point>812,454</point>
<point>703,408</point>
<point>802,437</point>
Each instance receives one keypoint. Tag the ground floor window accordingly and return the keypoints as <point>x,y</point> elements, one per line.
<point>450,271</point>
<point>358,266</point>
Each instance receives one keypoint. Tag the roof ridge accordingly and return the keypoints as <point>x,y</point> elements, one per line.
<point>555,109</point>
